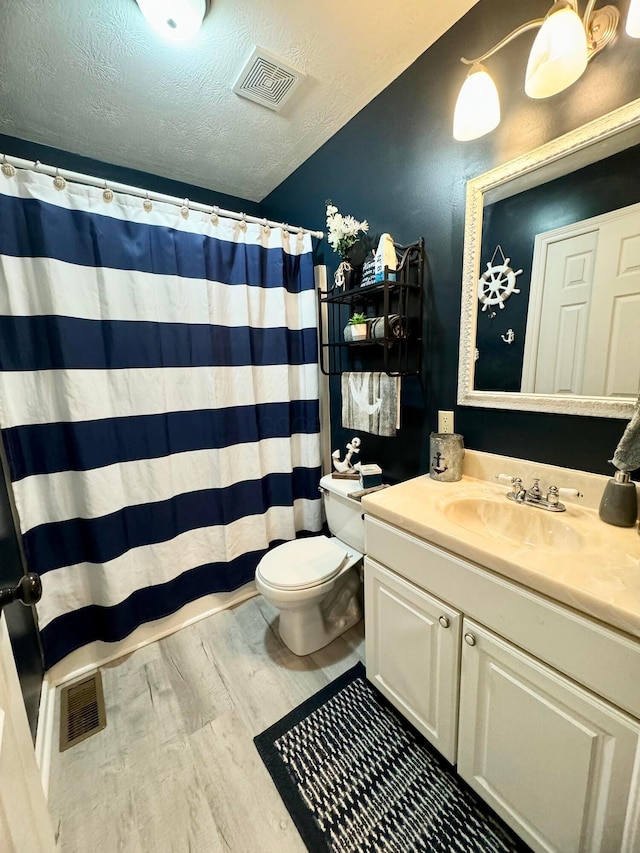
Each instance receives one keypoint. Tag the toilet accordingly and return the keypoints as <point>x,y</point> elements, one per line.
<point>315,583</point>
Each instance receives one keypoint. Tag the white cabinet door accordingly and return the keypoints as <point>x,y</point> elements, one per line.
<point>553,760</point>
<point>413,654</point>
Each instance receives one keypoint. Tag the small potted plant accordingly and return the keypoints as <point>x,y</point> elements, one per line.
<point>356,328</point>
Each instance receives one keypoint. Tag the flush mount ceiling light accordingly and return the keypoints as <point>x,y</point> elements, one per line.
<point>176,20</point>
<point>559,55</point>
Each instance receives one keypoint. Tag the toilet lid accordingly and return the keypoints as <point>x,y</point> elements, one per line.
<point>302,563</point>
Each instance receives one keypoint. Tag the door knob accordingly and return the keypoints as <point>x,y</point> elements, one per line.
<point>28,590</point>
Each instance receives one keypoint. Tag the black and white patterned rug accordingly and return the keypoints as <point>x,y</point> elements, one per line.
<point>355,776</point>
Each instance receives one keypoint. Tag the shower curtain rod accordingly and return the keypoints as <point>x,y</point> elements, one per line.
<point>101,183</point>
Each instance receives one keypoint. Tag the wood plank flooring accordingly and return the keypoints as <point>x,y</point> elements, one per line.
<point>175,770</point>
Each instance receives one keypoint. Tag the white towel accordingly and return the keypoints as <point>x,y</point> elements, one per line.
<point>371,403</point>
<point>627,455</point>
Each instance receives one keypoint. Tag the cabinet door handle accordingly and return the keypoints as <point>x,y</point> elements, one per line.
<point>469,639</point>
<point>444,621</point>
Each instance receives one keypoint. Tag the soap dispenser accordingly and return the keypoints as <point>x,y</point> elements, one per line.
<point>619,504</point>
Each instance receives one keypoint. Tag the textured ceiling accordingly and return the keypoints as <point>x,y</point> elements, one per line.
<point>91,77</point>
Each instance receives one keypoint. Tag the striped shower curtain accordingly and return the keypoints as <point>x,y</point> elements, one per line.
<point>158,402</point>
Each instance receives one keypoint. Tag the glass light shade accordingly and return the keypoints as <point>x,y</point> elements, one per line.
<point>176,20</point>
<point>558,56</point>
<point>478,106</point>
<point>633,20</point>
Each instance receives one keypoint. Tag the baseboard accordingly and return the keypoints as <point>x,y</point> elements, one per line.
<point>94,655</point>
<point>44,732</point>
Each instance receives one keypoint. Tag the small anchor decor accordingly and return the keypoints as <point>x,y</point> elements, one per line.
<point>344,466</point>
<point>510,336</point>
<point>438,464</point>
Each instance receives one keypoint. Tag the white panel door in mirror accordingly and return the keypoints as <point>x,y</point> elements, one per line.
<point>556,338</point>
<point>584,309</point>
<point>615,314</point>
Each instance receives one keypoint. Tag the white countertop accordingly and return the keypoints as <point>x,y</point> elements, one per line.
<point>595,568</point>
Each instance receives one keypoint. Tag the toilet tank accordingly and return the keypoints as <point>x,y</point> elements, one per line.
<point>344,515</point>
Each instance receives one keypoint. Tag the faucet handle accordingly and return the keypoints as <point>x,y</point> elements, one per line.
<point>553,496</point>
<point>517,489</point>
<point>570,493</point>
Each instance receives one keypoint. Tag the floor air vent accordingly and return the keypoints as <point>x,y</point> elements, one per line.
<point>82,711</point>
<point>267,80</point>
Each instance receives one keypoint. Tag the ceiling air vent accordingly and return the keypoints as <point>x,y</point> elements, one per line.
<point>267,80</point>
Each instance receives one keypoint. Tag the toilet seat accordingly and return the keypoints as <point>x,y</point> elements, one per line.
<point>302,563</point>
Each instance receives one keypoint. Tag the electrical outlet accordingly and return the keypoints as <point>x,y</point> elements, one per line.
<point>445,421</point>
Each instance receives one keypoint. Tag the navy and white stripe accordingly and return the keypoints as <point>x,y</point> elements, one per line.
<point>158,402</point>
<point>357,778</point>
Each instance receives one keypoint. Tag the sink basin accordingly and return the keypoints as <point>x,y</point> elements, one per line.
<point>520,525</point>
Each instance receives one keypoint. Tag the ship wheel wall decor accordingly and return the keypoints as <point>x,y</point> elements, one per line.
<point>497,284</point>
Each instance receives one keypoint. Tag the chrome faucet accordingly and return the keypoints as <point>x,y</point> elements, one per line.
<point>535,496</point>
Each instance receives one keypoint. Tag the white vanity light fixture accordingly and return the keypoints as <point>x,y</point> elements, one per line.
<point>175,20</point>
<point>559,55</point>
<point>478,106</point>
<point>633,20</point>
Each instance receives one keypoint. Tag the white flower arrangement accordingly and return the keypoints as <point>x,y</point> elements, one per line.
<point>342,230</point>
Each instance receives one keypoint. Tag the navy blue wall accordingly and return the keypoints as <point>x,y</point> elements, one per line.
<point>155,183</point>
<point>397,165</point>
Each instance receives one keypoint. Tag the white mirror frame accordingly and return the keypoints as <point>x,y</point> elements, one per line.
<point>626,118</point>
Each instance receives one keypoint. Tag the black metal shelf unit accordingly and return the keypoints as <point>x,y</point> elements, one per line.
<point>396,348</point>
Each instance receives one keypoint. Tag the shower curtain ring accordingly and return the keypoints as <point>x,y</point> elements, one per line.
<point>184,210</point>
<point>107,194</point>
<point>59,182</point>
<point>214,214</point>
<point>8,169</point>
<point>36,166</point>
<point>148,206</point>
<point>243,221</point>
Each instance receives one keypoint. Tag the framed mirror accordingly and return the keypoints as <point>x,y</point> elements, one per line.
<point>549,237</point>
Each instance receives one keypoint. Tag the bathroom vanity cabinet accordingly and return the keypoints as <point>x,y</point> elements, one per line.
<point>527,696</point>
<point>413,654</point>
